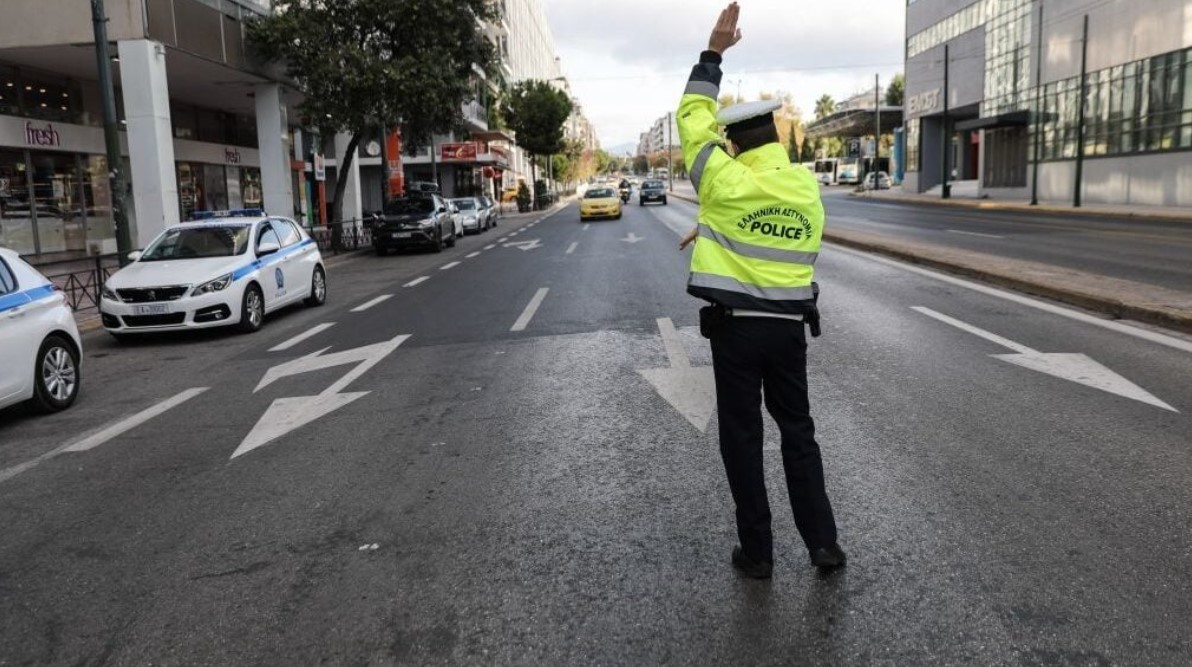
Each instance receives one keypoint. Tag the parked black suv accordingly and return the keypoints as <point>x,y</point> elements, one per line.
<point>651,191</point>
<point>420,220</point>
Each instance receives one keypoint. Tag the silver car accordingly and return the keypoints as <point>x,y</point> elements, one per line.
<point>471,214</point>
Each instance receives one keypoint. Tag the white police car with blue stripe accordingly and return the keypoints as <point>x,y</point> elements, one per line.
<point>224,268</point>
<point>40,349</point>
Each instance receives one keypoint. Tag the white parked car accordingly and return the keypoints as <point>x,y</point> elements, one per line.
<point>41,352</point>
<point>473,215</point>
<point>231,268</point>
<point>883,181</point>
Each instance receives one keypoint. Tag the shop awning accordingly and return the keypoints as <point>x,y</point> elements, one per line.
<point>1010,119</point>
<point>854,123</point>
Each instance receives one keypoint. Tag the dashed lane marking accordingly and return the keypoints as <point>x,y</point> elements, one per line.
<point>448,265</point>
<point>531,308</point>
<point>490,246</point>
<point>107,433</point>
<point>472,254</point>
<point>571,248</point>
<point>417,281</point>
<point>369,304</point>
<point>313,331</point>
<point>988,236</point>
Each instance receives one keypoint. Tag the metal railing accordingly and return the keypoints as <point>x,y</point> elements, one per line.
<point>346,236</point>
<point>81,280</point>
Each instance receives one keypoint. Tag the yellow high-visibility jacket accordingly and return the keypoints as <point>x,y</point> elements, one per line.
<point>760,217</point>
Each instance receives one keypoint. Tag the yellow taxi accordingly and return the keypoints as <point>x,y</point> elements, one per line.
<point>600,202</point>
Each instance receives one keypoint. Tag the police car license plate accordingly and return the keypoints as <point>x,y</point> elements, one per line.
<point>157,309</point>
<point>403,235</point>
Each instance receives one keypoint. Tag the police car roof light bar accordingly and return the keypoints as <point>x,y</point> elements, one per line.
<point>233,213</point>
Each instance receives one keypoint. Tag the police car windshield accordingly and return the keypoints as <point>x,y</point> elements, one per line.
<point>410,206</point>
<point>198,242</point>
<point>599,193</point>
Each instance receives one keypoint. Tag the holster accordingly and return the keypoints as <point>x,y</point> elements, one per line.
<point>812,317</point>
<point>712,320</point>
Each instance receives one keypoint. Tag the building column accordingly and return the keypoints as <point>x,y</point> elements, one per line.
<point>273,141</point>
<point>351,195</point>
<point>150,137</point>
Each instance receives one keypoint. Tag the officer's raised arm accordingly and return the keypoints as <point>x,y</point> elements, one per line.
<point>703,151</point>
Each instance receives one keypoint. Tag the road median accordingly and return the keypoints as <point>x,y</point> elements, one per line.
<point>1117,298</point>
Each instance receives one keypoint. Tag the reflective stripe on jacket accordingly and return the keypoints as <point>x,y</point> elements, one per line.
<point>760,217</point>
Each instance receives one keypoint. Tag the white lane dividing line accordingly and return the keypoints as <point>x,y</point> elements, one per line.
<point>490,246</point>
<point>417,281</point>
<point>987,236</point>
<point>369,304</point>
<point>502,239</point>
<point>106,434</point>
<point>1112,325</point>
<point>571,248</point>
<point>472,254</point>
<point>448,265</point>
<point>531,308</point>
<point>313,331</point>
<point>586,225</point>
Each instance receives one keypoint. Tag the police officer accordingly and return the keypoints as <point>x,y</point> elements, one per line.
<point>759,228</point>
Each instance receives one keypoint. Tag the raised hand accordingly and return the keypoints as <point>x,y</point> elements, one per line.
<point>726,33</point>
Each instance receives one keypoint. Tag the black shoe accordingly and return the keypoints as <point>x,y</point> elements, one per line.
<point>828,558</point>
<point>751,568</point>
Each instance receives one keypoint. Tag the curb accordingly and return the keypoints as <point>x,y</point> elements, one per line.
<point>1046,209</point>
<point>1170,317</point>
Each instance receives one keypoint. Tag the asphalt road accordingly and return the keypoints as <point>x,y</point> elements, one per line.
<point>1155,252</point>
<point>505,486</point>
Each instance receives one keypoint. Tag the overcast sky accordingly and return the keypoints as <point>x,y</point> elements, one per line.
<point>628,60</point>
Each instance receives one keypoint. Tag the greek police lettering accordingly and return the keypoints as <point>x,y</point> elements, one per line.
<point>780,231</point>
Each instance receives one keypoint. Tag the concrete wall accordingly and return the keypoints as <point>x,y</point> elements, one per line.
<point>1162,179</point>
<point>966,73</point>
<point>56,22</point>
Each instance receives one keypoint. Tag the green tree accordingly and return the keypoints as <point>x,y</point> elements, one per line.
<point>825,106</point>
<point>366,66</point>
<point>603,160</point>
<point>894,92</point>
<point>641,164</point>
<point>536,111</point>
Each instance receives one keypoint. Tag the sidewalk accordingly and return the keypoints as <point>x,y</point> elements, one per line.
<point>1123,299</point>
<point>896,193</point>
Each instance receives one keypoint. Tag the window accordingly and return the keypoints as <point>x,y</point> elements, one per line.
<point>268,235</point>
<point>912,145</point>
<point>289,235</point>
<point>8,282</point>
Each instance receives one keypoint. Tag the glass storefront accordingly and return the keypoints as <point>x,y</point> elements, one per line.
<point>55,203</point>
<point>215,187</point>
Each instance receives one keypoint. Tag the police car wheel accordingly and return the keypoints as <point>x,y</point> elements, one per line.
<point>252,310</point>
<point>56,376</point>
<point>318,288</point>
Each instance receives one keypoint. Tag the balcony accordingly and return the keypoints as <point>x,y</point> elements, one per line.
<point>475,116</point>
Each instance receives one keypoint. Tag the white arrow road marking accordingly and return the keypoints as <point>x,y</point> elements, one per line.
<point>633,238</point>
<point>690,390</point>
<point>524,245</point>
<point>531,308</point>
<point>313,331</point>
<point>571,248</point>
<point>1076,367</point>
<point>417,281</point>
<point>286,414</point>
<point>369,304</point>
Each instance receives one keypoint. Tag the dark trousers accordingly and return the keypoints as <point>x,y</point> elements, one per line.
<point>749,354</point>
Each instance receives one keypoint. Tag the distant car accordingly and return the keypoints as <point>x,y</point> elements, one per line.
<point>490,211</point>
<point>883,181</point>
<point>600,202</point>
<point>41,354</point>
<point>473,216</point>
<point>509,194</point>
<point>230,268</point>
<point>420,221</point>
<point>651,191</point>
<point>422,186</point>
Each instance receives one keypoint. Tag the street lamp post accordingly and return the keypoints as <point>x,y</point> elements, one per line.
<point>111,132</point>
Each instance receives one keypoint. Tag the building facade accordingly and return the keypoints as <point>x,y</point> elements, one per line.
<point>1009,95</point>
<point>201,128</point>
<point>659,136</point>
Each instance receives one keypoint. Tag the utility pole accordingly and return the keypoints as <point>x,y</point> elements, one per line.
<point>670,167</point>
<point>877,127</point>
<point>946,145</point>
<point>1038,110</point>
<point>111,133</point>
<point>1084,59</point>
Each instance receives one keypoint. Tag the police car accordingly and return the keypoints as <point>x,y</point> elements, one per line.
<point>41,352</point>
<point>223,268</point>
